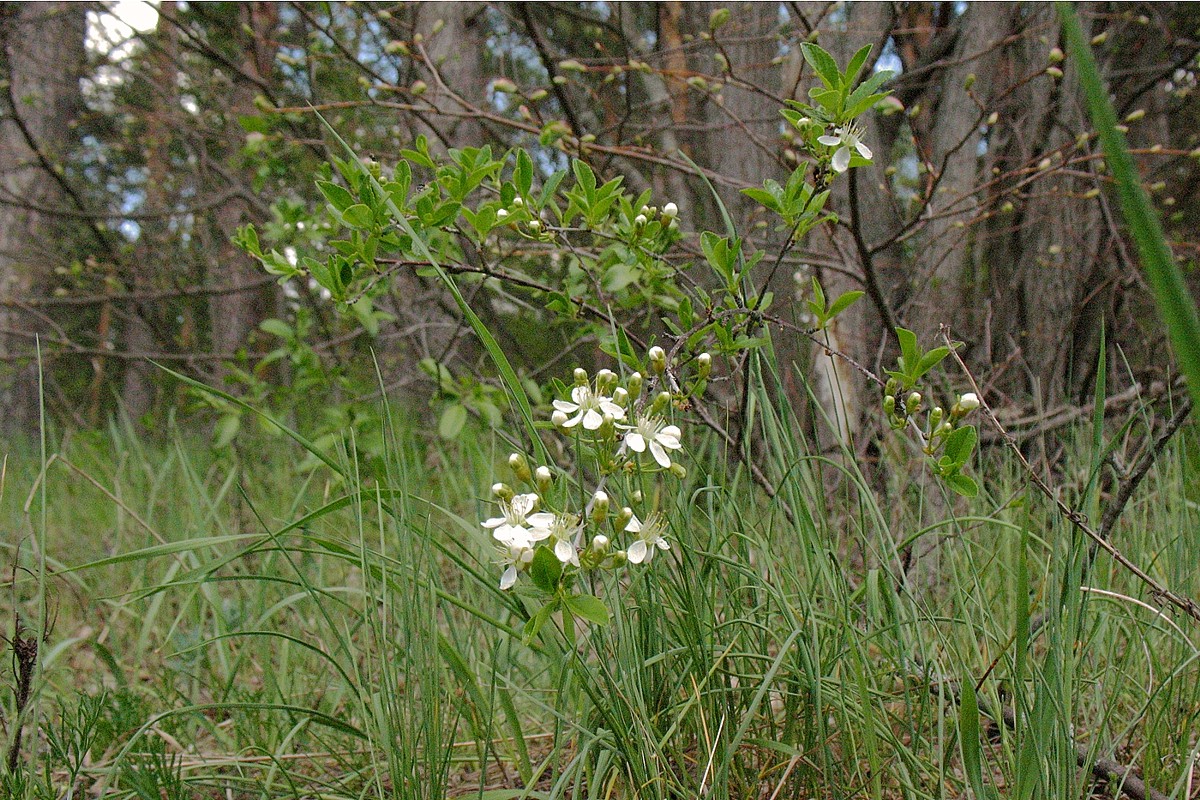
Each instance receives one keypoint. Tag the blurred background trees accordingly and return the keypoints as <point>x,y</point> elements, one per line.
<point>130,158</point>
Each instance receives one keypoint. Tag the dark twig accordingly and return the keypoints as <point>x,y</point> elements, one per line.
<point>1161,593</point>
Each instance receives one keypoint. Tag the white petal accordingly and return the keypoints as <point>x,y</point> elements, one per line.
<point>669,437</point>
<point>522,504</point>
<point>609,407</point>
<point>494,522</point>
<point>635,441</point>
<point>660,455</point>
<point>662,543</point>
<point>592,420</point>
<point>563,405</point>
<point>564,551</point>
<point>841,159</point>
<point>508,578</point>
<point>829,141</point>
<point>637,552</point>
<point>581,394</point>
<point>864,151</point>
<point>634,526</point>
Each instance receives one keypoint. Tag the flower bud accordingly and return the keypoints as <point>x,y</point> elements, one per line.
<point>608,427</point>
<point>501,215</point>
<point>1056,55</point>
<point>661,401</point>
<point>670,210</point>
<point>520,467</point>
<point>638,497</point>
<point>543,478</point>
<point>935,417</point>
<point>634,384</point>
<point>1054,72</point>
<point>606,379</point>
<point>502,491</point>
<point>658,359</point>
<point>518,202</point>
<point>946,429</point>
<point>889,405</point>
<point>599,507</point>
<point>599,542</point>
<point>581,376</point>
<point>678,470</point>
<point>912,403</point>
<point>703,365</point>
<point>640,221</point>
<point>621,397</point>
<point>623,517</point>
<point>892,386</point>
<point>535,226</point>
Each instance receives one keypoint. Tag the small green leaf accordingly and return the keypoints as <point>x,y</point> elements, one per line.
<point>843,302</point>
<point>856,63</point>
<point>545,570</point>
<point>960,443</point>
<point>590,608</point>
<point>929,361</point>
<point>823,63</point>
<point>276,327</point>
<point>523,173</point>
<point>908,348</point>
<point>358,215</point>
<point>338,197</point>
<point>538,621</point>
<point>451,423</point>
<point>962,484</point>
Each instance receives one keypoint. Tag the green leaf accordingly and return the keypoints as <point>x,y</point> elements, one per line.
<point>545,570</point>
<point>843,302</point>
<point>276,327</point>
<point>962,484</point>
<point>764,198</point>
<point>590,608</point>
<point>451,423</point>
<point>585,178</point>
<point>823,63</point>
<point>358,215</point>
<point>929,361</point>
<point>960,443</point>
<point>523,173</point>
<point>337,196</point>
<point>856,63</point>
<point>908,348</point>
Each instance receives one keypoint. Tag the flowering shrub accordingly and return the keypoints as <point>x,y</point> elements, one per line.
<point>560,530</point>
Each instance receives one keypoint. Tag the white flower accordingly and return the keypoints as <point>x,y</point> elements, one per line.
<point>517,558</point>
<point>845,139</point>
<point>587,407</point>
<point>519,527</point>
<point>969,401</point>
<point>650,535</point>
<point>563,532</point>
<point>650,431</point>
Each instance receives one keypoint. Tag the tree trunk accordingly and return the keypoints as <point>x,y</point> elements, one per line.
<point>43,58</point>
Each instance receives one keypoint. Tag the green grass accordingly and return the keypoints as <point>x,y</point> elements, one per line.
<point>224,626</point>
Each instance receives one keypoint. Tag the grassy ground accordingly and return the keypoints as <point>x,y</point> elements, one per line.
<point>232,627</point>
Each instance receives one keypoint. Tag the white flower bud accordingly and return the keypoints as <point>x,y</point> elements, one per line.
<point>502,215</point>
<point>502,491</point>
<point>968,402</point>
<point>670,210</point>
<point>535,226</point>
<point>599,542</point>
<point>640,220</point>
<point>518,202</point>
<point>581,376</point>
<point>519,466</point>
<point>543,478</point>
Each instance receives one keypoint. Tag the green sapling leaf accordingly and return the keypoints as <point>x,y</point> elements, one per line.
<point>588,607</point>
<point>545,569</point>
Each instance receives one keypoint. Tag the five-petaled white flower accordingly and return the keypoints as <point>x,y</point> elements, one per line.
<point>650,431</point>
<point>650,535</point>
<point>517,558</point>
<point>588,408</point>
<point>519,527</point>
<point>845,138</point>
<point>563,533</point>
